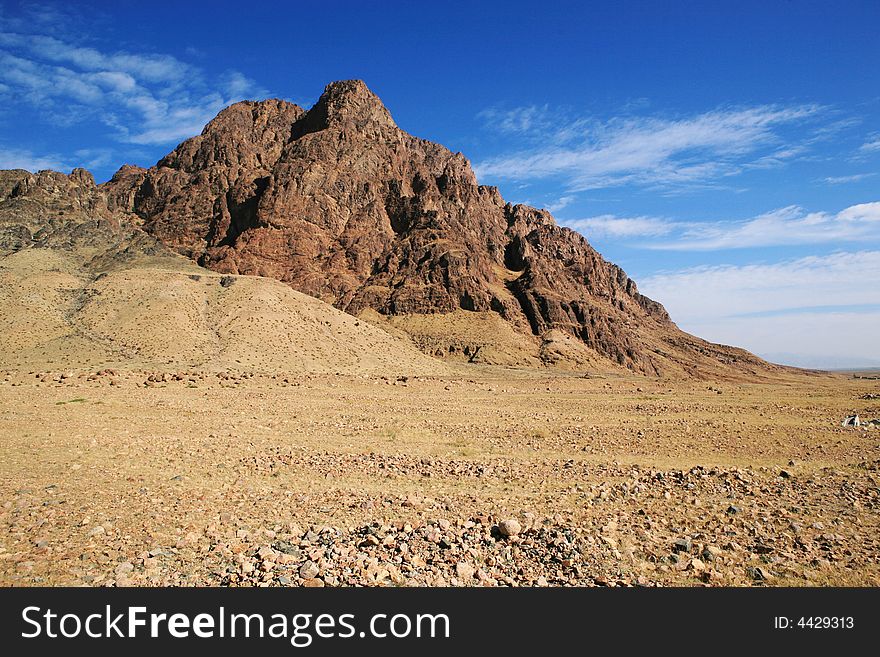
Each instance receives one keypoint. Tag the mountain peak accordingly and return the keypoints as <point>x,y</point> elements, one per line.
<point>268,107</point>
<point>341,204</point>
<point>342,87</point>
<point>349,102</point>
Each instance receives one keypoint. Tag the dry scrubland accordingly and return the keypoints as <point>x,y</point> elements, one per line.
<point>199,478</point>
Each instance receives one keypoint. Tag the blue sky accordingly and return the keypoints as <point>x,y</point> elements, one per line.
<point>726,154</point>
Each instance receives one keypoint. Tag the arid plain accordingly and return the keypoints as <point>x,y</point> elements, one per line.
<point>205,478</point>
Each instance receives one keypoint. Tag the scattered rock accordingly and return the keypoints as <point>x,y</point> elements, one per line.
<point>757,573</point>
<point>682,545</point>
<point>697,565</point>
<point>124,568</point>
<point>509,527</point>
<point>464,570</point>
<point>309,570</point>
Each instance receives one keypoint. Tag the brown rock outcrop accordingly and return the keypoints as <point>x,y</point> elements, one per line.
<point>340,203</point>
<point>81,287</point>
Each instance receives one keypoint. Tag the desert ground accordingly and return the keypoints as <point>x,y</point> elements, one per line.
<point>479,475</point>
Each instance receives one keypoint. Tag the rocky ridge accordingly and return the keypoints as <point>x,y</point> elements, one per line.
<point>341,204</point>
<point>82,286</point>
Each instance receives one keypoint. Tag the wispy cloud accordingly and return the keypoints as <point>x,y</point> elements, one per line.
<point>839,180</point>
<point>144,98</point>
<point>518,120</point>
<point>42,17</point>
<point>871,145</point>
<point>561,203</point>
<point>822,305</point>
<point>91,158</point>
<point>147,67</point>
<point>608,225</point>
<point>836,280</point>
<point>788,226</point>
<point>648,151</point>
<point>16,158</point>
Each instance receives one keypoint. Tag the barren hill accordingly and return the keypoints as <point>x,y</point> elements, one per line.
<point>79,287</point>
<point>341,204</point>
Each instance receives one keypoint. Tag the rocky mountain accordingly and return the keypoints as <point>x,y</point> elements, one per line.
<point>341,204</point>
<point>82,287</point>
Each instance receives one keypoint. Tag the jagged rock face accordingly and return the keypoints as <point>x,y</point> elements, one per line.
<point>205,191</point>
<point>342,204</point>
<point>51,209</point>
<point>34,196</point>
<point>81,286</point>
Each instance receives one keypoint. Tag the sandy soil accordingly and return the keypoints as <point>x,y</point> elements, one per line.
<point>200,478</point>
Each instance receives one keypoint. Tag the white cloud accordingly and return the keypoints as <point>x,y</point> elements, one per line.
<point>608,225</point>
<point>237,85</point>
<point>873,145</point>
<point>698,150</point>
<point>145,98</point>
<point>777,158</point>
<point>788,226</point>
<point>839,180</point>
<point>91,158</point>
<point>823,306</point>
<point>42,16</point>
<point>519,120</point>
<point>13,158</point>
<point>561,203</point>
<point>839,279</point>
<point>149,67</point>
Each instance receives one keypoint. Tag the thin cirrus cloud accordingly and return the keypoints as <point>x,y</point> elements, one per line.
<point>837,279</point>
<point>815,311</point>
<point>788,226</point>
<point>591,154</point>
<point>560,203</point>
<point>20,158</point>
<point>520,120</point>
<point>840,180</point>
<point>144,98</point>
<point>608,225</point>
<point>147,67</point>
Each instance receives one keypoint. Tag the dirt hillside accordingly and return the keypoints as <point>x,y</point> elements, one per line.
<point>79,290</point>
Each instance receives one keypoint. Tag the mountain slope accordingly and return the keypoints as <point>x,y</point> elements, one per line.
<point>341,204</point>
<point>80,287</point>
